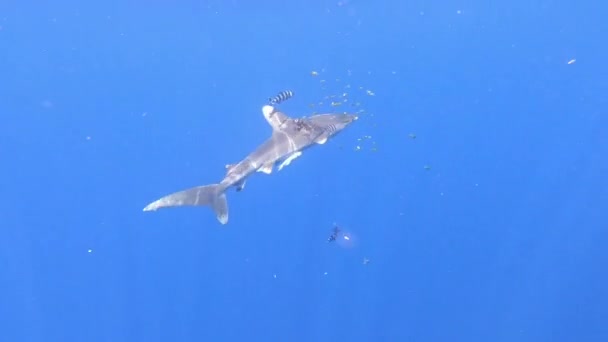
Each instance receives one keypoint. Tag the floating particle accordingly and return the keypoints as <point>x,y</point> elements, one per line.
<point>336,103</point>
<point>314,73</point>
<point>427,167</point>
<point>370,93</point>
<point>90,251</point>
<point>365,261</point>
<point>357,148</point>
<point>572,61</point>
<point>412,136</point>
<point>88,137</point>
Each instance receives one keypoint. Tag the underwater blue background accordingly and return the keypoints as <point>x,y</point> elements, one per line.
<point>474,181</point>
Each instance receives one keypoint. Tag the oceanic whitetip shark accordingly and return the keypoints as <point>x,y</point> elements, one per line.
<point>290,136</point>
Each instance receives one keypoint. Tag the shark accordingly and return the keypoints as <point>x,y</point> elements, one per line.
<point>290,137</point>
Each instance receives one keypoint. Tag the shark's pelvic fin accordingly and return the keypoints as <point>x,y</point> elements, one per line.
<point>289,159</point>
<point>267,168</point>
<point>240,185</point>
<point>207,195</point>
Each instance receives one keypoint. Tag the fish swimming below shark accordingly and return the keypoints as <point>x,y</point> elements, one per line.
<point>290,136</point>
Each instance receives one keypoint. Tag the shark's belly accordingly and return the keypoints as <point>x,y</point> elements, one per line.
<point>272,151</point>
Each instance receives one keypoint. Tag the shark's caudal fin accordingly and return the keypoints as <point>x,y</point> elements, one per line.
<point>212,195</point>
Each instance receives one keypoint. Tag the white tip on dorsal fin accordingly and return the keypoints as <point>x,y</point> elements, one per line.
<point>267,169</point>
<point>267,111</point>
<point>275,118</point>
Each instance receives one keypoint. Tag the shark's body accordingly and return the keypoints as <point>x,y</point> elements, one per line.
<point>289,138</point>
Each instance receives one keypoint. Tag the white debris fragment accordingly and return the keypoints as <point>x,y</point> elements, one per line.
<point>572,61</point>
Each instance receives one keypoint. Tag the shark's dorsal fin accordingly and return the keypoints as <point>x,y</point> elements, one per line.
<point>275,119</point>
<point>229,168</point>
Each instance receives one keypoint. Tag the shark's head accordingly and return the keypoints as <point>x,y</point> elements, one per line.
<point>333,123</point>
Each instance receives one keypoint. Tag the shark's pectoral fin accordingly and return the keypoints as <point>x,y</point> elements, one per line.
<point>322,139</point>
<point>266,168</point>
<point>288,160</point>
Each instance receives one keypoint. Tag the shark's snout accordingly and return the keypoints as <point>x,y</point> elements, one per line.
<point>340,121</point>
<point>352,117</point>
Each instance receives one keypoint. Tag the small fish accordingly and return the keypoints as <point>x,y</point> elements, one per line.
<point>281,97</point>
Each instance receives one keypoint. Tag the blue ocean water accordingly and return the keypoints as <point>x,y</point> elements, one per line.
<point>471,189</point>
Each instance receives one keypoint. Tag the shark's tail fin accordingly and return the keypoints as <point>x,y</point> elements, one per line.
<point>212,195</point>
